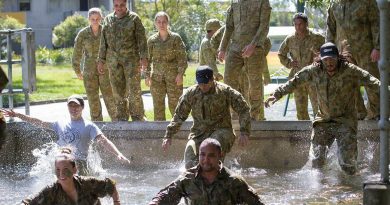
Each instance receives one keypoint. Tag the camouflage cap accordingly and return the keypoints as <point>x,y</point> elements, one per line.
<point>213,24</point>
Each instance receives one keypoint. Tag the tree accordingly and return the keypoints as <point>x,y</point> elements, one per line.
<point>65,32</point>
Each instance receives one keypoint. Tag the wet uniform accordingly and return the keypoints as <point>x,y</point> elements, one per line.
<point>211,116</point>
<point>357,22</point>
<point>247,23</point>
<point>122,44</point>
<point>337,115</point>
<point>86,47</point>
<point>303,51</point>
<point>88,189</point>
<point>228,188</point>
<point>169,59</point>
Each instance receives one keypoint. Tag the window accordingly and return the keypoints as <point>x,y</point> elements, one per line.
<point>24,5</point>
<point>83,5</point>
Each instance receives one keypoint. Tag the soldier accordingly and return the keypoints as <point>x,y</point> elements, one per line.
<point>247,26</point>
<point>123,49</point>
<point>71,188</point>
<point>210,174</point>
<point>86,47</point>
<point>168,54</point>
<point>333,79</point>
<point>209,103</point>
<point>357,22</point>
<point>297,51</point>
<point>3,83</point>
<point>207,53</point>
<point>75,132</point>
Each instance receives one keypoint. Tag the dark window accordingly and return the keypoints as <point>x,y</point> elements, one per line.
<point>83,5</point>
<point>24,5</point>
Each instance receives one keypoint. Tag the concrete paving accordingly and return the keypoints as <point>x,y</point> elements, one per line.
<point>57,111</point>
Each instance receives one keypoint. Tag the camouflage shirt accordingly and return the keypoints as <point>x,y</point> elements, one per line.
<point>247,22</point>
<point>88,189</point>
<point>208,55</point>
<point>86,45</point>
<point>356,21</point>
<point>168,55</point>
<point>210,111</point>
<point>301,50</point>
<point>228,188</point>
<point>335,97</point>
<point>122,38</point>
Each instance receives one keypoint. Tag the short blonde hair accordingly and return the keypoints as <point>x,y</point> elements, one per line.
<point>95,10</point>
<point>161,13</point>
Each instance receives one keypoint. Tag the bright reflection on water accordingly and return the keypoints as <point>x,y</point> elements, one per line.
<point>139,185</point>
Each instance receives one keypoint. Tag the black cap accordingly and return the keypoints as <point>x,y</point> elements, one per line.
<point>77,99</point>
<point>204,74</point>
<point>329,50</point>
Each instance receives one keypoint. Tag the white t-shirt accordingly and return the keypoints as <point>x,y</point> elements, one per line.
<point>77,134</point>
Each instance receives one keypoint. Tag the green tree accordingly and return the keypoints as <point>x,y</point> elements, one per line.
<point>65,32</point>
<point>10,23</point>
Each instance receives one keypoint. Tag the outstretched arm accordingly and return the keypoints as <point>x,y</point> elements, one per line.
<point>109,146</point>
<point>32,120</point>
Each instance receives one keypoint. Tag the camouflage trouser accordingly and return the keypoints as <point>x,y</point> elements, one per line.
<point>253,65</point>
<point>301,94</point>
<point>224,136</point>
<point>126,87</point>
<point>323,135</point>
<point>163,85</point>
<point>92,83</point>
<point>2,132</point>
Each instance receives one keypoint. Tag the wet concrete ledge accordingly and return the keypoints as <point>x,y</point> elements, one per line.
<point>273,144</point>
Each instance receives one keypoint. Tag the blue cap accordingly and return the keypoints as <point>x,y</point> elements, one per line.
<point>329,50</point>
<point>204,74</point>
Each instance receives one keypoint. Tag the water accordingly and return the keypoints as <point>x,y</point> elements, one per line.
<point>138,185</point>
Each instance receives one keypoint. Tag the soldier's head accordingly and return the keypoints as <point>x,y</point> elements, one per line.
<point>329,57</point>
<point>210,155</point>
<point>75,106</point>
<point>205,78</point>
<point>212,25</point>
<point>161,21</point>
<point>65,166</point>
<point>120,8</point>
<point>301,23</point>
<point>95,16</point>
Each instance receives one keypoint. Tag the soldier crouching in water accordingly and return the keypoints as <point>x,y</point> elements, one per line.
<point>209,103</point>
<point>3,83</point>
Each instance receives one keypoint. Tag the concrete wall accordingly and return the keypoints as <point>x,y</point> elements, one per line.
<point>273,144</point>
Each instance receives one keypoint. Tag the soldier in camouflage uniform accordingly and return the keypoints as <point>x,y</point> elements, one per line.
<point>297,51</point>
<point>247,26</point>
<point>209,103</point>
<point>357,22</point>
<point>123,49</point>
<point>167,53</point>
<point>208,183</point>
<point>333,79</point>
<point>71,188</point>
<point>86,47</point>
<point>207,52</point>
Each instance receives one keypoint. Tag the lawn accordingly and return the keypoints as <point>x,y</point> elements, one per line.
<point>58,82</point>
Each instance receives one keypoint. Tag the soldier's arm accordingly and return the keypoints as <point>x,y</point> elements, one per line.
<point>26,118</point>
<point>103,43</point>
<point>101,188</point>
<point>150,58</point>
<point>299,78</point>
<point>262,31</point>
<point>229,28</point>
<point>330,26</point>
<point>245,193</point>
<point>366,79</point>
<point>141,38</point>
<point>182,111</point>
<point>181,55</point>
<point>282,54</point>
<point>241,107</point>
<point>46,196</point>
<point>77,53</point>
<point>171,194</point>
<point>373,16</point>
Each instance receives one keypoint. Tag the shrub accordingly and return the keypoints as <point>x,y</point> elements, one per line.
<point>53,56</point>
<point>10,23</point>
<point>65,32</point>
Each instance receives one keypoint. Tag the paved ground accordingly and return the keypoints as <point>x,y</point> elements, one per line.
<point>57,111</point>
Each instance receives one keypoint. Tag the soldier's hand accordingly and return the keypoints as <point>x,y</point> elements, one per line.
<point>100,68</point>
<point>8,113</point>
<point>375,55</point>
<point>123,158</point>
<point>221,56</point>
<point>166,143</point>
<point>218,76</point>
<point>243,141</point>
<point>271,99</point>
<point>248,51</point>
<point>79,76</point>
<point>148,81</point>
<point>179,79</point>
